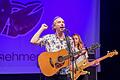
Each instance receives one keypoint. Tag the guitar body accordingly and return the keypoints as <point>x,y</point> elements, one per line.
<point>80,71</point>
<point>51,62</point>
<point>82,65</point>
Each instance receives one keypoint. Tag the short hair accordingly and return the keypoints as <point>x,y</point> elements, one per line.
<point>53,25</point>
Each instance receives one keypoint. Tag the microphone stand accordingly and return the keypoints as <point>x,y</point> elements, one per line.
<point>69,48</point>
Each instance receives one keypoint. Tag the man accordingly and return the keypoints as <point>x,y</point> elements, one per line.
<point>53,43</point>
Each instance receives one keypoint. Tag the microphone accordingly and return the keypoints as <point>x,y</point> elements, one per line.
<point>66,30</point>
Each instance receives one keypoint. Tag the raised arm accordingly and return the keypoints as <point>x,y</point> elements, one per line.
<point>36,38</point>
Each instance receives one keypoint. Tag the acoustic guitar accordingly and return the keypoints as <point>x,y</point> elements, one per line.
<point>51,62</point>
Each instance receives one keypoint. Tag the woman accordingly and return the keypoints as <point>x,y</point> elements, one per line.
<point>78,45</point>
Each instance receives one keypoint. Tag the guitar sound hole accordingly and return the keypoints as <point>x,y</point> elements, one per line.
<point>60,59</point>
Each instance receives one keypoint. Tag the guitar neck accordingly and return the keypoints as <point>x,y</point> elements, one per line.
<point>102,58</point>
<point>71,55</point>
<point>93,62</point>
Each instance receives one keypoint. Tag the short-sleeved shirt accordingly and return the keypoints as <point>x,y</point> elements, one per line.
<point>53,44</point>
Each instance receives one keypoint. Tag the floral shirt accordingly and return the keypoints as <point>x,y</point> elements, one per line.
<point>53,44</point>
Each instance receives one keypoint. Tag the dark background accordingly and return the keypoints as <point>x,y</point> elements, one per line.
<point>110,38</point>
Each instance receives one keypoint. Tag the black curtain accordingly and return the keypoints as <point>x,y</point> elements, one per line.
<point>110,38</point>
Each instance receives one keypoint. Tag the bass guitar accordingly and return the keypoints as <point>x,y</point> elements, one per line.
<point>84,64</point>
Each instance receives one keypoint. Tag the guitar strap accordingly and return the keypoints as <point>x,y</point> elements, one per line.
<point>76,66</point>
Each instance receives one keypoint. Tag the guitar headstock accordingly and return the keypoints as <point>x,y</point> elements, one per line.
<point>94,46</point>
<point>113,53</point>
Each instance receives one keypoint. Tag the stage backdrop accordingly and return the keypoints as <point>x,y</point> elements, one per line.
<point>20,20</point>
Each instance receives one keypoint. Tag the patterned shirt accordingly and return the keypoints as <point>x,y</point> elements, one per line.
<point>53,44</point>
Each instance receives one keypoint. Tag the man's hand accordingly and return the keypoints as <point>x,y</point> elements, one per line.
<point>44,27</point>
<point>35,39</point>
